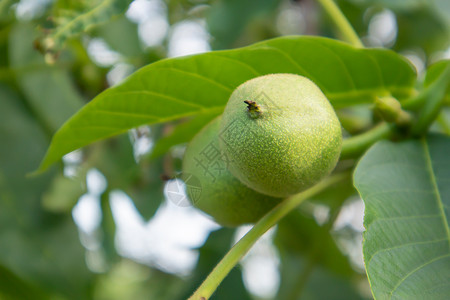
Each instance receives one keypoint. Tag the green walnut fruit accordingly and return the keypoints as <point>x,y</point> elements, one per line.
<point>281,134</point>
<point>215,191</point>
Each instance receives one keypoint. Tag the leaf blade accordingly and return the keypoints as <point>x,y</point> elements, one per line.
<point>407,240</point>
<point>171,89</point>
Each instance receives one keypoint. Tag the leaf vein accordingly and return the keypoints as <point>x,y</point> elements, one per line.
<point>240,62</point>
<point>398,190</point>
<point>436,188</point>
<point>289,57</point>
<point>174,99</point>
<point>408,217</point>
<point>404,245</point>
<point>197,76</point>
<point>415,270</point>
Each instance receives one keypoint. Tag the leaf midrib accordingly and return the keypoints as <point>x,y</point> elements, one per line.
<point>434,184</point>
<point>436,188</point>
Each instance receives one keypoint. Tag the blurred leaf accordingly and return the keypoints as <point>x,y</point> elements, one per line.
<point>40,248</point>
<point>321,284</point>
<point>421,28</point>
<point>420,24</point>
<point>301,235</point>
<point>309,255</point>
<point>175,88</point>
<point>96,13</point>
<point>182,133</point>
<point>434,96</point>
<point>108,226</point>
<point>435,71</point>
<point>227,19</point>
<point>129,280</point>
<point>141,181</point>
<point>49,90</point>
<point>411,5</point>
<point>13,287</point>
<point>148,192</point>
<point>212,251</point>
<point>63,193</point>
<point>114,159</point>
<point>335,195</point>
<point>121,35</point>
<point>6,9</point>
<point>407,196</point>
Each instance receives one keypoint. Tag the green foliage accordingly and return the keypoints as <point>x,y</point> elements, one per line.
<point>406,192</point>
<point>92,14</point>
<point>48,72</point>
<point>40,250</point>
<point>157,93</point>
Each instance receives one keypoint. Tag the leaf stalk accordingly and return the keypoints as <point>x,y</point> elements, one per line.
<point>343,26</point>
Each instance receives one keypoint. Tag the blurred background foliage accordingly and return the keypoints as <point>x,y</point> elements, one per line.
<point>98,226</point>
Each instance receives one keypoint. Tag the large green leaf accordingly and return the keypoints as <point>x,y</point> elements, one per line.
<point>121,35</point>
<point>194,85</point>
<point>406,191</point>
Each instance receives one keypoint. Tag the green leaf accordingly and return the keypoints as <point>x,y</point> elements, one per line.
<point>310,259</point>
<point>300,234</point>
<point>406,191</point>
<point>435,71</point>
<point>435,95</point>
<point>194,85</point>
<point>121,35</point>
<point>292,269</point>
<point>63,193</point>
<point>13,287</point>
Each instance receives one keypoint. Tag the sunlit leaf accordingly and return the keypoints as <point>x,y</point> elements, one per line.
<point>194,85</point>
